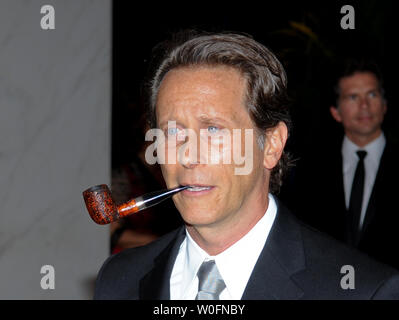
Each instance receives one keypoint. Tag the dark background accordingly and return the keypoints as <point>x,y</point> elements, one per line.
<point>307,38</point>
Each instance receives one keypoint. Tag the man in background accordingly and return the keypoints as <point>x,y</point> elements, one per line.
<point>352,183</point>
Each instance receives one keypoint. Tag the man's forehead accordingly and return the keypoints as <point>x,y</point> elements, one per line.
<point>201,95</point>
<point>359,80</point>
<point>183,77</point>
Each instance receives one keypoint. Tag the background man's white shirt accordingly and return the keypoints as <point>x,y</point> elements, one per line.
<point>371,163</point>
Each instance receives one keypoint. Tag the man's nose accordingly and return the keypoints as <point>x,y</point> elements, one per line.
<point>188,153</point>
<point>364,103</point>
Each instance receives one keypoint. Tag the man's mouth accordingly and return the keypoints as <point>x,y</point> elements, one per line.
<point>364,117</point>
<point>195,188</point>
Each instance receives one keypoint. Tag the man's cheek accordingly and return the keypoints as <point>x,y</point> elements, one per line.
<point>167,173</point>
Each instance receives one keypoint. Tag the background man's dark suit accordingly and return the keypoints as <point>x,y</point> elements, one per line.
<point>297,262</point>
<point>318,199</point>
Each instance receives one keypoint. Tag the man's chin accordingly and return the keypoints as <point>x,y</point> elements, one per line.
<point>198,218</point>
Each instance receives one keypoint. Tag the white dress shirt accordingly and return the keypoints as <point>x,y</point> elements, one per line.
<point>371,163</point>
<point>235,264</point>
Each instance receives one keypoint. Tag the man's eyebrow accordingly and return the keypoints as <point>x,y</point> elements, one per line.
<point>166,122</point>
<point>206,119</point>
<point>356,91</point>
<point>209,119</point>
<point>163,123</point>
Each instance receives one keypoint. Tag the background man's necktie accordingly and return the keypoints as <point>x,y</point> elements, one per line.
<point>210,283</point>
<point>356,199</point>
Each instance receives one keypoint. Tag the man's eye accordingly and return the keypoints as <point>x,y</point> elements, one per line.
<point>353,97</point>
<point>172,131</point>
<point>373,94</point>
<point>213,129</point>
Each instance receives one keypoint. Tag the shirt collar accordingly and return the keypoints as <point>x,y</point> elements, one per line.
<point>374,149</point>
<point>236,263</point>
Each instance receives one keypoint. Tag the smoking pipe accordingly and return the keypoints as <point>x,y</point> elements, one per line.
<point>103,210</point>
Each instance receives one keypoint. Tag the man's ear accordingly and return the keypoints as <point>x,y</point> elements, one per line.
<point>274,145</point>
<point>385,106</point>
<point>335,114</point>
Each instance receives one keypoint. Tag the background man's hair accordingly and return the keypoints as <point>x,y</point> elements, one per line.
<point>266,82</point>
<point>350,66</point>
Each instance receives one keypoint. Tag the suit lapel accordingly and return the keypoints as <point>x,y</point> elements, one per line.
<point>341,223</point>
<point>282,257</point>
<point>155,284</point>
<point>332,194</point>
<point>378,185</point>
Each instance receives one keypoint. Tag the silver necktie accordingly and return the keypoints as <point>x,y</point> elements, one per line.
<point>211,283</point>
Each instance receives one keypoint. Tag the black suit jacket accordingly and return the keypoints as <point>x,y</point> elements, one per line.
<point>297,262</point>
<point>318,198</point>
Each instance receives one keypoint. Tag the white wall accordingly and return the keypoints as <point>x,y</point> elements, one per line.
<point>55,104</point>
